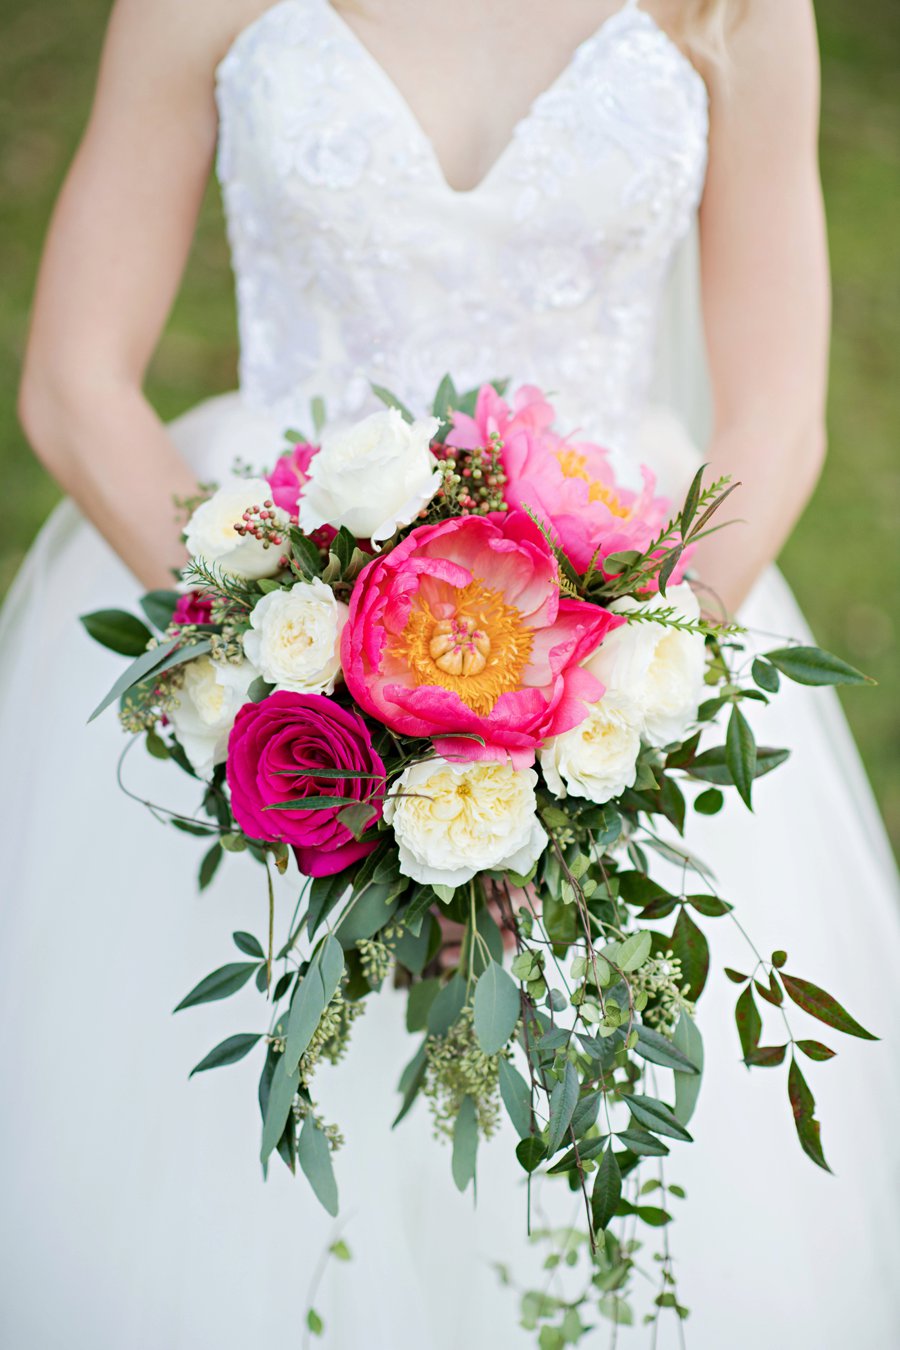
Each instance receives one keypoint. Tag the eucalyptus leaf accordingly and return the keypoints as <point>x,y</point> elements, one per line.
<point>465,1143</point>
<point>634,951</point>
<point>516,1095</point>
<point>159,606</point>
<point>222,983</point>
<point>314,1157</point>
<point>447,1006</point>
<point>139,670</point>
<point>312,996</point>
<point>230,1051</point>
<point>497,1008</point>
<point>280,1098</point>
<point>688,1040</point>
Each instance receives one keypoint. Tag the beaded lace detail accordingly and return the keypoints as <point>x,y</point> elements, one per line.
<point>355,260</point>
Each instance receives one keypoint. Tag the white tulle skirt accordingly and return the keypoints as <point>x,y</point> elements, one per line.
<point>134,1216</point>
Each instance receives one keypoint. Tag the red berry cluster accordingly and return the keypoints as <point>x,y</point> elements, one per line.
<point>263,523</point>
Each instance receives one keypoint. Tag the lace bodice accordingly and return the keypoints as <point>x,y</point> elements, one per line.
<point>355,260</point>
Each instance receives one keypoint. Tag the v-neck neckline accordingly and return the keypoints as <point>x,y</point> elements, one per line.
<point>352,40</point>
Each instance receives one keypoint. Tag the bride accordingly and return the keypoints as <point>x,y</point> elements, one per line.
<point>490,187</point>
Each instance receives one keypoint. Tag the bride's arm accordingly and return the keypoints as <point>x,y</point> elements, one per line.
<point>116,250</point>
<point>766,288</point>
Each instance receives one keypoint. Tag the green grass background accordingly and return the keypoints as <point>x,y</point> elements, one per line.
<point>843,560</point>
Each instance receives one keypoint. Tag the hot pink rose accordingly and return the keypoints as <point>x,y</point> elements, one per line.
<point>569,484</point>
<point>275,749</point>
<point>462,628</point>
<point>193,607</point>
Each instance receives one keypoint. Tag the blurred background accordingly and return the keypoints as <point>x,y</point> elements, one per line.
<point>844,559</point>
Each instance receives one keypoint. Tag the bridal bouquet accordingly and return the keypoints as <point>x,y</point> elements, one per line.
<point>450,669</point>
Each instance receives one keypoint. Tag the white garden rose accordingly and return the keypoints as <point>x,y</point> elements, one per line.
<point>657,668</point>
<point>295,638</point>
<point>211,534</point>
<point>209,699</point>
<point>454,820</point>
<point>598,758</point>
<point>374,477</point>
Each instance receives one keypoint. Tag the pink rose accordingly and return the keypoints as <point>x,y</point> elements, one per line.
<point>193,607</point>
<point>275,749</point>
<point>569,484</point>
<point>462,628</point>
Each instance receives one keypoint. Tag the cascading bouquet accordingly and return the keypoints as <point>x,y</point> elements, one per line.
<point>453,669</point>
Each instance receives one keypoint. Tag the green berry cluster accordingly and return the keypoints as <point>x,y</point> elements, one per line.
<point>457,1067</point>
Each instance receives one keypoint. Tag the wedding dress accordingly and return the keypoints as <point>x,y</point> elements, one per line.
<point>134,1216</point>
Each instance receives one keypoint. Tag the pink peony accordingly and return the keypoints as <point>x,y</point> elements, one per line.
<point>287,481</point>
<point>290,475</point>
<point>462,628</point>
<point>568,484</point>
<point>193,607</point>
<point>274,750</point>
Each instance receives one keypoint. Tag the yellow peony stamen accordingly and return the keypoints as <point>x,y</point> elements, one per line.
<point>480,652</point>
<point>574,465</point>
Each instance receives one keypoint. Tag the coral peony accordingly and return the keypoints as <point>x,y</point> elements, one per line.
<point>462,629</point>
<point>283,749</point>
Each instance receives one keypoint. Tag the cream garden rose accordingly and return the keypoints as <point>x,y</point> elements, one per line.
<point>453,820</point>
<point>295,638</point>
<point>374,477</point>
<point>209,698</point>
<point>658,670</point>
<point>211,534</point>
<point>598,758</point>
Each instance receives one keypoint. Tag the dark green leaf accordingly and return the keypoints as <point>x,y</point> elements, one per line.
<point>465,1143</point>
<point>711,767</point>
<point>516,1096</point>
<point>749,1022</point>
<point>445,399</point>
<point>210,865</point>
<point>311,804</point>
<point>369,911</point>
<point>653,1215</point>
<point>765,676</point>
<point>530,1152</point>
<point>222,983</point>
<point>324,894</point>
<point>690,946</point>
<point>227,1052</point>
<point>735,976</point>
<point>818,1004</point>
<point>803,1106</point>
<point>710,906</point>
<point>159,606</point>
<point>496,1008</point>
<point>584,1117</point>
<point>810,665</point>
<point>740,754</point>
<point>689,510</point>
<point>642,1142</point>
<point>586,1151</point>
<point>656,1116</point>
<point>779,959</point>
<point>563,1100</point>
<point>660,1050</point>
<point>607,1190</point>
<point>247,943</point>
<point>770,992</point>
<point>118,630</point>
<point>314,1157</point>
<point>815,1050</point>
<point>710,802</point>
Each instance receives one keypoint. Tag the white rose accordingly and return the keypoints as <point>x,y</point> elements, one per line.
<point>208,702</point>
<point>211,534</point>
<point>657,668</point>
<point>373,478</point>
<point>295,638</point>
<point>454,820</point>
<point>598,759</point>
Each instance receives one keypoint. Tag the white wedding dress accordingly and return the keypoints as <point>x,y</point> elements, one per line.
<point>134,1216</point>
